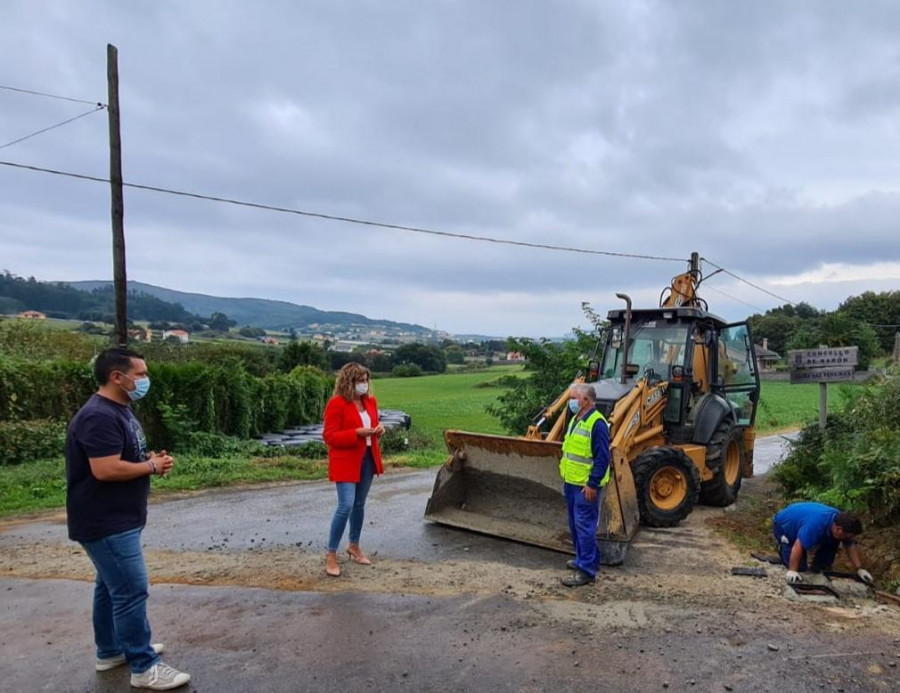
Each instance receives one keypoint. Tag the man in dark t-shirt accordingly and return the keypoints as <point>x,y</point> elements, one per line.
<point>108,472</point>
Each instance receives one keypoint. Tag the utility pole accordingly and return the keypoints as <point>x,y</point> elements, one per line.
<point>116,192</point>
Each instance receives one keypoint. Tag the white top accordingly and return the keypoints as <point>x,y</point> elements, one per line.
<point>367,423</point>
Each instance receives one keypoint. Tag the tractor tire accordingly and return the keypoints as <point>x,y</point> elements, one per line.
<point>668,486</point>
<point>725,459</point>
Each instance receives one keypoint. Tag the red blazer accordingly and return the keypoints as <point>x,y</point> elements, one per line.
<point>345,448</point>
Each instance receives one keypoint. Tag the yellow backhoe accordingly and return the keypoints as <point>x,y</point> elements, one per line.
<point>679,387</point>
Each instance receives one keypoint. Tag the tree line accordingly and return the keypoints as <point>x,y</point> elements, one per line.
<point>868,321</point>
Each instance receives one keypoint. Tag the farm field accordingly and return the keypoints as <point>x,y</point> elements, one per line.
<point>455,400</point>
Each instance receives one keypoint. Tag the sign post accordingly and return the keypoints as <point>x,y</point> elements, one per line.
<point>824,365</point>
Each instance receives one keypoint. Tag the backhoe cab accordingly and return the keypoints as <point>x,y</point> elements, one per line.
<point>679,388</point>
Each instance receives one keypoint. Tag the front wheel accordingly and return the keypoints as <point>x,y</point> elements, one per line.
<point>725,458</point>
<point>667,484</point>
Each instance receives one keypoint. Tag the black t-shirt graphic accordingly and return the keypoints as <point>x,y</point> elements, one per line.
<point>98,509</point>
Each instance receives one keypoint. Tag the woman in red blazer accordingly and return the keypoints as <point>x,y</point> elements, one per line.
<point>354,458</point>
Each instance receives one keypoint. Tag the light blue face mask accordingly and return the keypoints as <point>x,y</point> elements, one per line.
<point>573,406</point>
<point>141,388</point>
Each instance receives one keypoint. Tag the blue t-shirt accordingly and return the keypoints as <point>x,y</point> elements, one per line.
<point>808,522</point>
<point>98,509</point>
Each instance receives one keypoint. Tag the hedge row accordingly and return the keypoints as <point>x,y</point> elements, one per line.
<point>25,441</point>
<point>184,397</point>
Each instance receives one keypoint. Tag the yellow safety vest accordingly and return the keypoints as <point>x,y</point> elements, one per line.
<point>577,457</point>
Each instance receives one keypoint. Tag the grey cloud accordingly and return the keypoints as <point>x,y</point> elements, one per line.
<point>646,127</point>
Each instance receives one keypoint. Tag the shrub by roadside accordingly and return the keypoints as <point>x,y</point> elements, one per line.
<point>26,441</point>
<point>855,465</point>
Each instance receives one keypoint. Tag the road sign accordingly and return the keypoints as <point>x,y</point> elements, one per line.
<point>834,374</point>
<point>823,358</point>
<point>823,366</point>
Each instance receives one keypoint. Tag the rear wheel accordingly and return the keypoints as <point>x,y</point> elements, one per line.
<point>725,459</point>
<point>668,485</point>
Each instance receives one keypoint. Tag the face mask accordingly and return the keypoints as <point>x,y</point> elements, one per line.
<point>141,388</point>
<point>362,388</point>
<point>573,405</point>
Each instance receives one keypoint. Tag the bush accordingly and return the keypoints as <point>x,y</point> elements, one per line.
<point>43,389</point>
<point>28,339</point>
<point>552,366</point>
<point>394,440</point>
<point>855,462</point>
<point>216,445</point>
<point>313,450</point>
<point>184,398</point>
<point>26,441</point>
<point>408,370</point>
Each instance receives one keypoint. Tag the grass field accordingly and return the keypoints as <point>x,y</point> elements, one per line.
<point>435,403</point>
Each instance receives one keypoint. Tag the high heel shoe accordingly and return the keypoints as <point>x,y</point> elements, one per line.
<point>333,571</point>
<point>358,557</point>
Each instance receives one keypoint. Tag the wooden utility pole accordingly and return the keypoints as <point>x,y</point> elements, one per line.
<point>118,200</point>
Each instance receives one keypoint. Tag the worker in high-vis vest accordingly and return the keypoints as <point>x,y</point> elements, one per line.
<point>584,467</point>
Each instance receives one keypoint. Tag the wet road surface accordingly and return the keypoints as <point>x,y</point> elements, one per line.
<point>622,635</point>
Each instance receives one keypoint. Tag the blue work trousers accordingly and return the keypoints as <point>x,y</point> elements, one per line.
<point>352,504</point>
<point>120,599</point>
<point>583,519</point>
<point>823,558</point>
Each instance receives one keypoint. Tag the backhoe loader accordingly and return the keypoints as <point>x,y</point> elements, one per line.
<point>679,388</point>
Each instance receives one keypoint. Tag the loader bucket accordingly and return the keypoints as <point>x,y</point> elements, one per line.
<point>510,487</point>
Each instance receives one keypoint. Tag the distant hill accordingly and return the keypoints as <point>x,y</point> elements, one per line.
<point>257,312</point>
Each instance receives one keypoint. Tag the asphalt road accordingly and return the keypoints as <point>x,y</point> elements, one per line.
<point>621,635</point>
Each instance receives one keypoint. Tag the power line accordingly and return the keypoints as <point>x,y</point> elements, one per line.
<point>349,220</point>
<point>99,107</point>
<point>50,96</point>
<point>734,298</point>
<point>749,283</point>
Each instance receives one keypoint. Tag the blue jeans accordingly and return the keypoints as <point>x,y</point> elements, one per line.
<point>352,504</point>
<point>583,519</point>
<point>120,599</point>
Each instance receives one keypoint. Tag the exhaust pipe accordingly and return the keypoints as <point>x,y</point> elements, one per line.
<point>627,337</point>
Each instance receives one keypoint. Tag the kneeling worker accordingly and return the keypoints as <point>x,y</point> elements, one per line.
<point>584,467</point>
<point>804,527</point>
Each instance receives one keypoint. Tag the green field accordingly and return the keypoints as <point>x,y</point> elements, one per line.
<point>437,402</point>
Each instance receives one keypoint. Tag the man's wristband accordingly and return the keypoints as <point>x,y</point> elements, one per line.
<point>152,466</point>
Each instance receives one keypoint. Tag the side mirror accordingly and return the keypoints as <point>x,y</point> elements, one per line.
<point>632,369</point>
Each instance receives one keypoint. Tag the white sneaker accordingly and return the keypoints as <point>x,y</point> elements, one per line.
<point>117,661</point>
<point>160,677</point>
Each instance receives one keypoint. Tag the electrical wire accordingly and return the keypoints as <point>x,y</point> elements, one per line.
<point>99,107</point>
<point>734,298</point>
<point>749,283</point>
<point>50,96</point>
<point>349,220</point>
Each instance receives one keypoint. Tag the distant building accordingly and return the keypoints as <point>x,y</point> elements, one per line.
<point>515,357</point>
<point>139,334</point>
<point>180,335</point>
<point>765,357</point>
<point>269,340</point>
<point>32,315</point>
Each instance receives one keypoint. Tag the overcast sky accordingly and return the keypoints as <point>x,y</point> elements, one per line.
<point>764,135</point>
